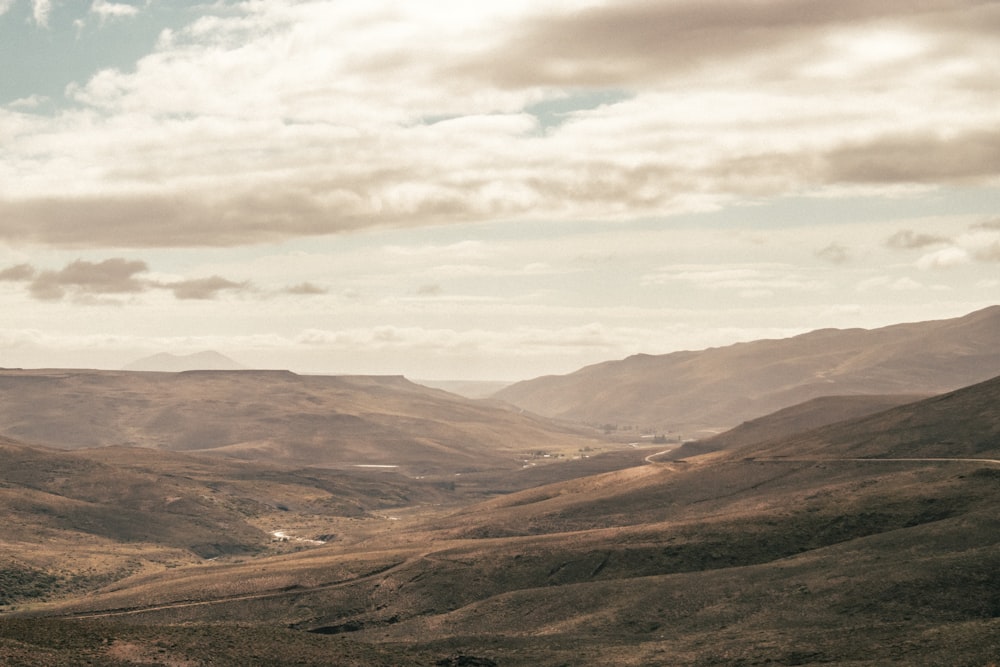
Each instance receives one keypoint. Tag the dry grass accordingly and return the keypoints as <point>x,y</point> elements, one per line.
<point>279,417</point>
<point>748,557</point>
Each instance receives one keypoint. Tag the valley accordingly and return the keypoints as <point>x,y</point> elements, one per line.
<point>561,333</point>
<point>262,518</point>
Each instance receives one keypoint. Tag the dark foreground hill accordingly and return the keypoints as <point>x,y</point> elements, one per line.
<point>275,416</point>
<point>722,387</point>
<point>961,424</point>
<point>799,418</point>
<point>873,541</point>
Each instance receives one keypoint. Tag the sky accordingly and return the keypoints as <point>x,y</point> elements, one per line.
<point>487,190</point>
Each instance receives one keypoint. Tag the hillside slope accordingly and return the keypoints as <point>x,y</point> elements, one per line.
<point>275,416</point>
<point>961,424</point>
<point>722,387</point>
<point>812,414</point>
<point>795,552</point>
<point>78,520</point>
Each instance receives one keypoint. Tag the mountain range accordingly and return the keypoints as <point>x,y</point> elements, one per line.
<point>265,518</point>
<point>715,389</point>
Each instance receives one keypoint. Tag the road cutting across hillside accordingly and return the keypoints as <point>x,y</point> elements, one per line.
<point>781,459</point>
<point>649,459</point>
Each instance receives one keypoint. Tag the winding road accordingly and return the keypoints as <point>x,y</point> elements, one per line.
<point>783,459</point>
<point>780,459</point>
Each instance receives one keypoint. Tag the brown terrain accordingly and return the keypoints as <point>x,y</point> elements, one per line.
<point>858,530</point>
<point>276,416</point>
<point>793,420</point>
<point>718,388</point>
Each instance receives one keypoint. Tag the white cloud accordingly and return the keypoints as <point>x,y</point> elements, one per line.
<point>983,244</point>
<point>28,103</point>
<point>886,282</point>
<point>905,284</point>
<point>872,283</point>
<point>946,258</point>
<point>40,11</point>
<point>5,6</point>
<point>281,119</point>
<point>469,250</point>
<point>112,10</point>
<point>759,280</point>
<point>853,53</point>
<point>235,157</point>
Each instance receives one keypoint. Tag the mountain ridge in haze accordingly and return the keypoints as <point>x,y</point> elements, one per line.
<point>724,386</point>
<point>467,388</point>
<point>166,362</point>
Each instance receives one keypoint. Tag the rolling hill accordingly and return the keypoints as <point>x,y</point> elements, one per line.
<point>277,416</point>
<point>870,541</point>
<point>963,424</point>
<point>79,520</point>
<point>719,388</point>
<point>811,414</point>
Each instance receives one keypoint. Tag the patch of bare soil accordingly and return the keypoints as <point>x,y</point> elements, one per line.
<point>135,653</point>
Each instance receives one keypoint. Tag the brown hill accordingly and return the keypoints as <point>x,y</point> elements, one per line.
<point>793,420</point>
<point>467,388</point>
<point>79,520</point>
<point>962,424</point>
<point>721,387</point>
<point>276,416</point>
<point>793,552</point>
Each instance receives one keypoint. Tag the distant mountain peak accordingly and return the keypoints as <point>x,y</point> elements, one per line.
<point>165,362</point>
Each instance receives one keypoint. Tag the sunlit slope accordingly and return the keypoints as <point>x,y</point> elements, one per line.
<point>274,416</point>
<point>76,521</point>
<point>722,387</point>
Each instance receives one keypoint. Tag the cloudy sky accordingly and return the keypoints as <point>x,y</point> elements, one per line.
<point>487,190</point>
